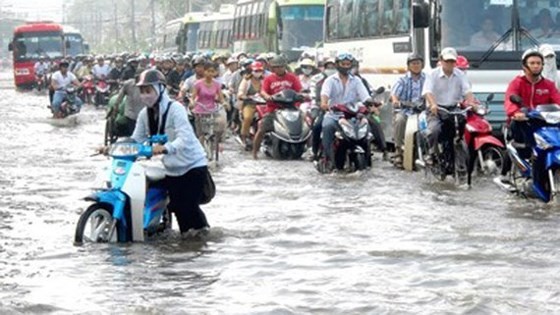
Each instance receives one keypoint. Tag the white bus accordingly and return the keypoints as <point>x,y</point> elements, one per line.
<point>492,34</point>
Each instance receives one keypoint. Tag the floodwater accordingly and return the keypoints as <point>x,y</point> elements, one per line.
<point>284,239</point>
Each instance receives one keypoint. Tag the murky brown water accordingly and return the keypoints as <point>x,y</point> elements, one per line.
<point>284,239</point>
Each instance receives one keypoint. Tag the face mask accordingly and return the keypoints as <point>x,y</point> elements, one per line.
<point>149,99</point>
<point>343,70</point>
<point>257,75</point>
<point>330,71</point>
<point>307,71</point>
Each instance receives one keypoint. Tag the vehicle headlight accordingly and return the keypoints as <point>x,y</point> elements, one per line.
<point>541,142</point>
<point>124,149</point>
<point>552,118</point>
<point>348,130</point>
<point>362,131</point>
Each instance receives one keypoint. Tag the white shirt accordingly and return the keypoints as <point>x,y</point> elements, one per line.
<point>99,71</point>
<point>41,68</point>
<point>447,90</point>
<point>63,81</point>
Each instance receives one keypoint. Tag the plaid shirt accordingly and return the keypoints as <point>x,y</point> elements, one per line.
<point>407,89</point>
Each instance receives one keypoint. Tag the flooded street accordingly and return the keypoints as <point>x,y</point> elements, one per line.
<point>284,239</point>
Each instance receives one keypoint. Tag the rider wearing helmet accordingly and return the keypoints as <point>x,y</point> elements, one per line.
<point>534,90</point>
<point>329,68</point>
<point>185,162</point>
<point>307,69</point>
<point>341,88</point>
<point>250,86</point>
<point>60,80</point>
<point>198,66</point>
<point>445,86</point>
<point>279,80</point>
<point>116,73</point>
<point>129,71</point>
<point>462,63</point>
<point>407,89</point>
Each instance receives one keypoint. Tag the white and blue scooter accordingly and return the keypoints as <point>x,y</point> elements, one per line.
<point>133,204</point>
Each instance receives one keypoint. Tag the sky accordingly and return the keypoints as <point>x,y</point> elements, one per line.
<point>38,10</point>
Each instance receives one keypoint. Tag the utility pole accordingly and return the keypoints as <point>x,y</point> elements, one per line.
<point>115,20</point>
<point>133,24</point>
<point>153,9</point>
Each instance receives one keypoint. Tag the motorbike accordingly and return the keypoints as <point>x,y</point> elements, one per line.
<point>291,131</point>
<point>41,82</point>
<point>452,155</point>
<point>133,204</point>
<point>252,100</point>
<point>102,92</point>
<point>69,105</point>
<point>88,89</point>
<point>352,138</point>
<point>539,175</point>
<point>486,152</point>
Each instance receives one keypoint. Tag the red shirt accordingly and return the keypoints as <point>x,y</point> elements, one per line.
<point>542,92</point>
<point>273,84</point>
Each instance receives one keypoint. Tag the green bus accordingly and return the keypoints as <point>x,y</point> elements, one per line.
<point>282,26</point>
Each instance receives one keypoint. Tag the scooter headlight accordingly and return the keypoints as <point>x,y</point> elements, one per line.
<point>541,142</point>
<point>120,150</point>
<point>362,131</point>
<point>348,129</point>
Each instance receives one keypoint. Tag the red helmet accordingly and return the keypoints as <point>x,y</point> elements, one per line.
<point>462,62</point>
<point>257,66</point>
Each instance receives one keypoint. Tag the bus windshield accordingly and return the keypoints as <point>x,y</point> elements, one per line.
<point>297,18</point>
<point>75,44</point>
<point>475,25</point>
<point>31,46</point>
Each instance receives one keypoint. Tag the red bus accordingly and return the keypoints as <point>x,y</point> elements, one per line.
<point>30,41</point>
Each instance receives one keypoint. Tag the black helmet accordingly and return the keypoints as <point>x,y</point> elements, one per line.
<point>64,63</point>
<point>531,52</point>
<point>151,76</point>
<point>277,61</point>
<point>198,61</point>
<point>412,57</point>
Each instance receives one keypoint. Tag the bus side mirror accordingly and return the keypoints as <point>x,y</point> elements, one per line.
<point>10,47</point>
<point>86,48</point>
<point>67,44</point>
<point>421,14</point>
<point>177,40</point>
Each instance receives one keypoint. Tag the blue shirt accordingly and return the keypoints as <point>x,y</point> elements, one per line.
<point>184,150</point>
<point>408,89</point>
<point>353,92</point>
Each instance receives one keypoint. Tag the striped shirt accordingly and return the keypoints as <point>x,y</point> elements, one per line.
<point>409,89</point>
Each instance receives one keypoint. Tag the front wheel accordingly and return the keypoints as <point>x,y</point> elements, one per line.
<point>96,225</point>
<point>490,160</point>
<point>360,162</point>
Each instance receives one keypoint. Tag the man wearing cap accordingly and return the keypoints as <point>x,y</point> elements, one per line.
<point>445,86</point>
<point>59,82</point>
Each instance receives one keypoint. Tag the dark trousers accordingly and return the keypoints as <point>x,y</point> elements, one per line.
<point>316,134</point>
<point>185,193</point>
<point>520,132</point>
<point>378,135</point>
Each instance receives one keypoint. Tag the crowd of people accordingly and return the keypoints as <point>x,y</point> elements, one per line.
<point>170,92</point>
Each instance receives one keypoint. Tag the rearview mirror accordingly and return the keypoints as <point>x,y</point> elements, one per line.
<point>380,90</point>
<point>10,47</point>
<point>421,15</point>
<point>490,97</point>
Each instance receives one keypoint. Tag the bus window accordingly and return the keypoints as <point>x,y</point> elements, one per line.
<point>388,19</point>
<point>332,21</point>
<point>403,17</point>
<point>344,29</point>
<point>371,13</point>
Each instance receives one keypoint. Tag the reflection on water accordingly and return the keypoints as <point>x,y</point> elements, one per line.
<point>284,240</point>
